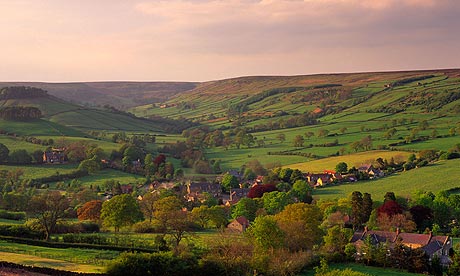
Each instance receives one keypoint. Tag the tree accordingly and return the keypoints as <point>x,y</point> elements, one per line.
<point>230,181</point>
<point>165,209</point>
<point>256,167</point>
<point>266,233</point>
<point>90,165</point>
<point>91,210</point>
<point>20,157</point>
<point>309,134</point>
<point>301,190</point>
<point>298,141</point>
<point>274,202</point>
<point>390,208</point>
<point>281,137</point>
<point>323,132</point>
<point>358,213</point>
<point>121,210</point>
<point>336,239</point>
<point>49,208</point>
<point>341,167</point>
<point>257,191</point>
<point>246,207</point>
<point>300,222</point>
<point>147,205</point>
<point>367,206</point>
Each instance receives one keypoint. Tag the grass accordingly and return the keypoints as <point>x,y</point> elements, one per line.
<point>100,177</point>
<point>10,221</point>
<point>37,171</point>
<point>378,271</point>
<point>71,259</point>
<point>352,160</point>
<point>440,176</point>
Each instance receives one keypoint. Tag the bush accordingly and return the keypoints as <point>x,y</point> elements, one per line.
<point>12,215</point>
<point>163,263</point>
<point>144,227</point>
<point>22,231</point>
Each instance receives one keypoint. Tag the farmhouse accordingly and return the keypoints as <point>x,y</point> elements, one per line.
<point>371,171</point>
<point>240,224</point>
<point>195,190</point>
<point>54,156</point>
<point>439,246</point>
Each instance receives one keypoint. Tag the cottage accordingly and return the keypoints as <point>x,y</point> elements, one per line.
<point>432,245</point>
<point>320,179</point>
<point>239,225</point>
<point>371,171</point>
<point>195,190</point>
<point>54,156</point>
<point>237,194</point>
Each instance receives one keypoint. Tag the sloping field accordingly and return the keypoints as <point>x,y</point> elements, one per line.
<point>440,176</point>
<point>352,160</point>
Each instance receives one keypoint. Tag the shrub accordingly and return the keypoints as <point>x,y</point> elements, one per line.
<point>21,231</point>
<point>144,227</point>
<point>12,215</point>
<point>163,263</point>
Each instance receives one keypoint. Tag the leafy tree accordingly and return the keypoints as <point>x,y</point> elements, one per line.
<point>281,137</point>
<point>274,202</point>
<point>301,190</point>
<point>367,206</point>
<point>256,167</point>
<point>358,213</point>
<point>298,141</point>
<point>121,210</point>
<point>258,190</point>
<point>422,216</point>
<point>266,233</point>
<point>147,205</point>
<point>296,175</point>
<point>300,222</point>
<point>341,167</point>
<point>229,181</point>
<point>246,207</point>
<point>166,208</point>
<point>90,165</point>
<point>91,210</point>
<point>390,208</point>
<point>4,152</point>
<point>49,208</point>
<point>218,216</point>
<point>20,157</point>
<point>309,134</point>
<point>323,132</point>
<point>336,239</point>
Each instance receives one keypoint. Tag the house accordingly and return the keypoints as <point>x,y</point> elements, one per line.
<point>439,246</point>
<point>54,156</point>
<point>237,194</point>
<point>239,225</point>
<point>371,171</point>
<point>320,179</point>
<point>126,189</point>
<point>195,190</point>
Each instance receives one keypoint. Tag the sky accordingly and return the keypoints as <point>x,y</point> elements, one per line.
<point>201,40</point>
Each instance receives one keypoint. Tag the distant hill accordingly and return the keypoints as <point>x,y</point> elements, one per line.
<point>277,96</point>
<point>75,116</point>
<point>119,94</point>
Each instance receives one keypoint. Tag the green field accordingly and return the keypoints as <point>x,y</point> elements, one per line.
<point>440,176</point>
<point>352,160</point>
<point>37,171</point>
<point>100,177</point>
<point>74,259</point>
<point>377,271</point>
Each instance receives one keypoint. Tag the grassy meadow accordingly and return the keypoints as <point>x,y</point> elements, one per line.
<point>440,176</point>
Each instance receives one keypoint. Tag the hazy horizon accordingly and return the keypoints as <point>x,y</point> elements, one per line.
<point>201,40</point>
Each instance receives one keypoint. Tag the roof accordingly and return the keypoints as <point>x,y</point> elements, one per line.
<point>432,247</point>
<point>242,220</point>
<point>411,238</point>
<point>365,167</point>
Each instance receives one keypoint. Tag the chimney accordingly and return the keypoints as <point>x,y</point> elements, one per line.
<point>366,229</point>
<point>398,231</point>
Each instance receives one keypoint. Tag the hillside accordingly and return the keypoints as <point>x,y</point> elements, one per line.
<point>119,94</point>
<point>62,115</point>
<point>407,111</point>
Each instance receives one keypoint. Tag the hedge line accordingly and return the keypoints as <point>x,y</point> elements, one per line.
<point>74,245</point>
<point>46,270</point>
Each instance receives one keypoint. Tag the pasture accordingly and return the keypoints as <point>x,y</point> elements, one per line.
<point>440,176</point>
